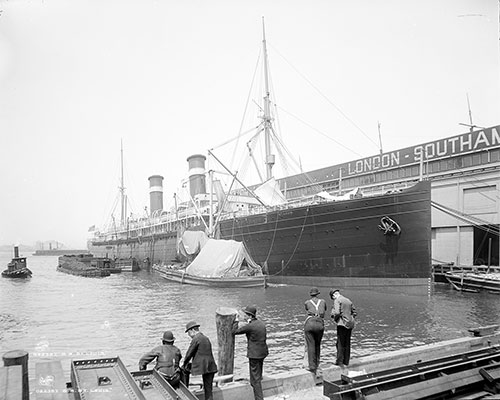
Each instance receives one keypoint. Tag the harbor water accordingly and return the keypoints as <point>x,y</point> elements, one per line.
<point>55,316</point>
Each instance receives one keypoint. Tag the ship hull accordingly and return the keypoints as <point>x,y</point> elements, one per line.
<point>180,276</point>
<point>329,244</point>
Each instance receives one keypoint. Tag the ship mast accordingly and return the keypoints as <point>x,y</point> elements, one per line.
<point>122,189</point>
<point>267,113</point>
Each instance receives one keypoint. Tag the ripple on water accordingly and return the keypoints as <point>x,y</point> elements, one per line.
<point>59,316</point>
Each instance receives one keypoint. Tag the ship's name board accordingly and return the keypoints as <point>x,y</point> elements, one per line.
<point>465,143</point>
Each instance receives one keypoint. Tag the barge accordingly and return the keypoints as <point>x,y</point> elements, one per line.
<point>85,265</point>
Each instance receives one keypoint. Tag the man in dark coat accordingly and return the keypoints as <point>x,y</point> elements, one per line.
<point>200,351</point>
<point>167,358</point>
<point>343,313</point>
<point>257,350</point>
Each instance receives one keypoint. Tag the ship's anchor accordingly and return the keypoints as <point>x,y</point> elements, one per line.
<point>389,226</point>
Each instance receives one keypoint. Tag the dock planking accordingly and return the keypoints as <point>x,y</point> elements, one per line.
<point>50,383</point>
<point>11,383</point>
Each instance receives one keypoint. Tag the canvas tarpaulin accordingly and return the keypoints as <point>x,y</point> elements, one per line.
<point>223,258</point>
<point>269,193</point>
<point>191,242</point>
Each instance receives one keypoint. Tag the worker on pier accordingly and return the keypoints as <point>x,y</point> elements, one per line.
<point>344,314</point>
<point>257,350</point>
<point>167,358</point>
<point>314,328</point>
<point>200,351</point>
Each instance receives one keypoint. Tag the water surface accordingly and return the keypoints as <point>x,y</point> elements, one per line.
<point>58,316</point>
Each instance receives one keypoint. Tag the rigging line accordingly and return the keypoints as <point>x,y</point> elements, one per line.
<point>279,141</point>
<point>274,101</point>
<point>247,102</point>
<point>114,206</point>
<point>477,222</point>
<point>296,244</point>
<point>480,248</point>
<point>296,165</point>
<point>237,137</point>
<point>466,178</point>
<point>327,99</point>
<point>220,212</point>
<point>283,161</point>
<point>274,237</point>
<point>318,131</point>
<point>251,150</point>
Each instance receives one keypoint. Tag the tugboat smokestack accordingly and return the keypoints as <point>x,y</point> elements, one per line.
<point>16,251</point>
<point>155,193</point>
<point>197,174</point>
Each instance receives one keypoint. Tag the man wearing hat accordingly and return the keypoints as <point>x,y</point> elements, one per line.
<point>257,350</point>
<point>167,358</point>
<point>343,313</point>
<point>314,328</point>
<point>200,351</point>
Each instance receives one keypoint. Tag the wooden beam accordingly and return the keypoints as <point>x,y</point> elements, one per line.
<point>224,318</point>
<point>11,385</point>
<point>430,387</point>
<point>50,383</point>
<point>19,357</point>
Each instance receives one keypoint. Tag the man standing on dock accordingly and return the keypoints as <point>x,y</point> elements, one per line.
<point>314,328</point>
<point>343,313</point>
<point>257,350</point>
<point>200,351</point>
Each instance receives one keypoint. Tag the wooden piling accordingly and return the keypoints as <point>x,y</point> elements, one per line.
<point>19,357</point>
<point>224,318</point>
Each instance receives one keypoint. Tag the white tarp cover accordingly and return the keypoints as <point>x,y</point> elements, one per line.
<point>347,196</point>
<point>191,242</point>
<point>270,193</point>
<point>223,259</point>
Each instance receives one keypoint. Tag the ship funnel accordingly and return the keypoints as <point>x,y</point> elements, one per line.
<point>155,193</point>
<point>197,174</point>
<point>16,251</point>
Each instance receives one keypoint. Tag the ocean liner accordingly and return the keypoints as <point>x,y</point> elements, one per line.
<point>302,229</point>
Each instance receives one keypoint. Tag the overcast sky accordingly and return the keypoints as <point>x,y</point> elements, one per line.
<point>171,78</point>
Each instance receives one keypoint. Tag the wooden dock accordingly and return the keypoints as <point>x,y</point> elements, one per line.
<point>467,368</point>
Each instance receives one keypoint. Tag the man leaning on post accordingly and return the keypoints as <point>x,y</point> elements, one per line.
<point>257,350</point>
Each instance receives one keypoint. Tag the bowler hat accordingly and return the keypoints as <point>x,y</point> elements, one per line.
<point>168,336</point>
<point>314,291</point>
<point>191,325</point>
<point>333,291</point>
<point>250,310</point>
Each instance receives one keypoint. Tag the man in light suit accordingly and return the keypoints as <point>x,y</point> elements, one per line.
<point>200,351</point>
<point>257,350</point>
<point>343,313</point>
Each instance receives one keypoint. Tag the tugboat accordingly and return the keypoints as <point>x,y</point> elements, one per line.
<point>17,267</point>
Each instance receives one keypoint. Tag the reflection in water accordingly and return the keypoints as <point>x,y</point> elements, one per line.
<point>59,316</point>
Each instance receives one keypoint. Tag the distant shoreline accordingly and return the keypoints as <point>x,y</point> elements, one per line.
<point>22,247</point>
<point>59,252</point>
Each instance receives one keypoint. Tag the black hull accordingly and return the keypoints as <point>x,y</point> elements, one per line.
<point>342,239</point>
<point>19,274</point>
<point>335,243</point>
